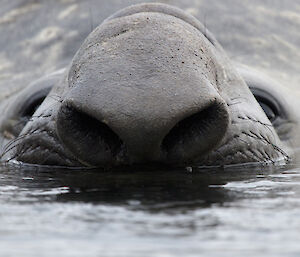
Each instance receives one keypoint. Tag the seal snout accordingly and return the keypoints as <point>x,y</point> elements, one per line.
<point>148,95</point>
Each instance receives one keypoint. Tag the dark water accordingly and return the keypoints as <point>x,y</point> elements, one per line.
<point>232,212</point>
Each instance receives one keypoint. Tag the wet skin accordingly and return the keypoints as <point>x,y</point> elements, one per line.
<point>150,85</point>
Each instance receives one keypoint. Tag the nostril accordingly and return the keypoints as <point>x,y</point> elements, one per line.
<point>186,129</point>
<point>91,140</point>
<point>197,134</point>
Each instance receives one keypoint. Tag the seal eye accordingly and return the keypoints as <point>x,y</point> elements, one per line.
<point>33,103</point>
<point>269,109</point>
<point>268,103</point>
<point>32,107</point>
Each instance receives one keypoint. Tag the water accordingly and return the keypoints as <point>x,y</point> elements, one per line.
<point>233,212</point>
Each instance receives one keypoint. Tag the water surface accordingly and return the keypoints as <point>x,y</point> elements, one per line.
<point>232,212</point>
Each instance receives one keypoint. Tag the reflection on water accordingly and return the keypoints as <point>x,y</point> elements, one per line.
<point>236,212</point>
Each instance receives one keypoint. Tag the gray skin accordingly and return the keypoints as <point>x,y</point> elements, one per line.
<point>150,85</point>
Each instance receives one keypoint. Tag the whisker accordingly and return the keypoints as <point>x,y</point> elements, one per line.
<point>12,144</point>
<point>30,120</point>
<point>266,125</point>
<point>33,117</point>
<point>55,97</point>
<point>238,97</point>
<point>18,138</point>
<point>22,151</point>
<point>233,103</point>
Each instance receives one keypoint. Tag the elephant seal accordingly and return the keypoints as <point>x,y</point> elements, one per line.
<point>149,85</point>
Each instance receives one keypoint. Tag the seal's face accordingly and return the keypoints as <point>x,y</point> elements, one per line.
<point>148,85</point>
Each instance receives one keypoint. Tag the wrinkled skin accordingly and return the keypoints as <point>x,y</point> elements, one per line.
<point>150,85</point>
